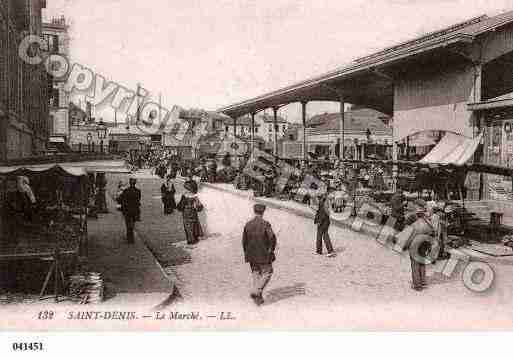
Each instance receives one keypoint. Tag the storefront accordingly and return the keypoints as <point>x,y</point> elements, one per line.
<point>497,116</point>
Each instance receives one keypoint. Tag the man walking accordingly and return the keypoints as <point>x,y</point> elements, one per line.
<point>130,201</point>
<point>259,243</point>
<point>322,220</point>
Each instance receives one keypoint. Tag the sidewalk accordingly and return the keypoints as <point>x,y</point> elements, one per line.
<point>129,270</point>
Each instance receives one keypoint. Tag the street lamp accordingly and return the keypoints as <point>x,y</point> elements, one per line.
<point>89,140</point>
<point>101,130</point>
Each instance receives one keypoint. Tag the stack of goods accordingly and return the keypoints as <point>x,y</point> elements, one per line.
<point>86,288</point>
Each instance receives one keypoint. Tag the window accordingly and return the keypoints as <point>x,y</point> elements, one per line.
<point>52,43</point>
<point>270,127</point>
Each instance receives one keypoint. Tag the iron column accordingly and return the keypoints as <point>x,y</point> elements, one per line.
<point>342,151</point>
<point>275,113</point>
<point>303,106</point>
<point>252,132</point>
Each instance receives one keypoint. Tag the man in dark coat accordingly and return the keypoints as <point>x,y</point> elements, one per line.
<point>212,171</point>
<point>130,201</point>
<point>420,245</point>
<point>259,243</point>
<point>322,220</point>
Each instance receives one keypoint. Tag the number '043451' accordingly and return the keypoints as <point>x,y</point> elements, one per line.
<point>36,346</point>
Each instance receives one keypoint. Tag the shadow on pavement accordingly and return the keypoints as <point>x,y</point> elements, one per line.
<point>174,255</point>
<point>173,297</point>
<point>281,293</point>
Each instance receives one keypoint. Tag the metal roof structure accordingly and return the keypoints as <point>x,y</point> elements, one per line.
<point>357,120</point>
<point>366,81</point>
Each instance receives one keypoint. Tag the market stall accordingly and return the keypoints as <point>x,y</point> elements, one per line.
<point>43,216</point>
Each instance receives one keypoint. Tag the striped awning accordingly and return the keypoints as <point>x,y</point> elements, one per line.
<point>453,149</point>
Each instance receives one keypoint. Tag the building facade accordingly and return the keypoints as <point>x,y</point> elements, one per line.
<point>366,133</point>
<point>24,128</point>
<point>264,127</point>
<point>55,34</point>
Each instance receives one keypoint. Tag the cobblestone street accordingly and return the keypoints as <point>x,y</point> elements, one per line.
<point>363,282</point>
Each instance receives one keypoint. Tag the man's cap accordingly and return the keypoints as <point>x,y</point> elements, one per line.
<point>259,208</point>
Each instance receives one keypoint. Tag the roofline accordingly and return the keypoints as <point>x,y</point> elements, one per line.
<point>493,27</point>
<point>424,38</point>
<point>489,104</point>
<point>354,68</point>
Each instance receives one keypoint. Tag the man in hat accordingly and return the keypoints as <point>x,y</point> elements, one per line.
<point>130,201</point>
<point>259,243</point>
<point>422,245</point>
<point>322,220</point>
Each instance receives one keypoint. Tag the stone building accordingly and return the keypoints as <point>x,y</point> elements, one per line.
<point>55,34</point>
<point>24,126</point>
<point>263,126</point>
<point>366,133</point>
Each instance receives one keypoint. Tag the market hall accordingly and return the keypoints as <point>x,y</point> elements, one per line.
<point>449,81</point>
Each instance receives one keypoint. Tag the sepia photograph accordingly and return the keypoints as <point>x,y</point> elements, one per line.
<point>285,165</point>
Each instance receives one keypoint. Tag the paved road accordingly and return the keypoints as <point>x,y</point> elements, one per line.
<point>364,286</point>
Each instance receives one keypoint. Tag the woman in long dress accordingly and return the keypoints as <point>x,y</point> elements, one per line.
<point>190,205</point>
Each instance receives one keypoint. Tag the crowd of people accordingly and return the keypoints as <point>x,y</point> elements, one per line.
<point>331,187</point>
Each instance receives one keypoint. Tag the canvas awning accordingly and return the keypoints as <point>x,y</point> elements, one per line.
<point>72,168</point>
<point>108,166</point>
<point>453,149</point>
<point>19,170</point>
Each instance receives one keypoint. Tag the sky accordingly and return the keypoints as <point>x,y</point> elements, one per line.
<point>209,54</point>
